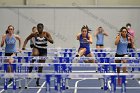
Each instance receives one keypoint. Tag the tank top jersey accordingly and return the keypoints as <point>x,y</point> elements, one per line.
<point>84,43</point>
<point>40,42</point>
<point>122,46</point>
<point>10,44</point>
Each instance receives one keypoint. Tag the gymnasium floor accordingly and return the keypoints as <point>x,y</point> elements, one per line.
<point>75,85</point>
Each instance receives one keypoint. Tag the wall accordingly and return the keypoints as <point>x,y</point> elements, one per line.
<point>70,2</point>
<point>65,23</point>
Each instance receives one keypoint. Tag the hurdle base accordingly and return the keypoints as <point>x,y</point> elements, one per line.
<point>67,87</point>
<point>26,87</point>
<point>133,78</point>
<point>102,88</point>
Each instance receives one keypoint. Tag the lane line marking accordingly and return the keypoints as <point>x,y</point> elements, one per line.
<point>10,85</point>
<point>76,85</point>
<point>41,87</point>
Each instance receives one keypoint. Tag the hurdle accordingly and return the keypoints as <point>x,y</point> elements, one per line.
<point>72,59</point>
<point>89,76</point>
<point>76,76</point>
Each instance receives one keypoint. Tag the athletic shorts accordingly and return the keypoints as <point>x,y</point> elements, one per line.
<point>99,45</point>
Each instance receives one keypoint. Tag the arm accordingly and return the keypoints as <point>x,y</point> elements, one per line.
<point>27,39</point>
<point>19,39</point>
<point>49,38</point>
<point>105,33</point>
<point>3,40</point>
<point>132,42</point>
<point>32,41</point>
<point>117,40</point>
<point>96,32</point>
<point>78,36</point>
<point>133,34</point>
<point>90,38</point>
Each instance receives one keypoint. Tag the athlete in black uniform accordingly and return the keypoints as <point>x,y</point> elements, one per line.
<point>40,45</point>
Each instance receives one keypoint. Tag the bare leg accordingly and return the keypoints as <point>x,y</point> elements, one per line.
<point>101,46</point>
<point>118,68</point>
<point>39,71</point>
<point>35,52</point>
<point>10,68</point>
<point>90,55</point>
<point>124,68</point>
<point>10,61</point>
<point>81,52</point>
<point>98,47</point>
<point>118,71</point>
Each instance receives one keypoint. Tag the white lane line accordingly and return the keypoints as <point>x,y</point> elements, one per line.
<point>10,85</point>
<point>76,85</point>
<point>41,87</point>
<point>108,83</point>
<point>138,80</point>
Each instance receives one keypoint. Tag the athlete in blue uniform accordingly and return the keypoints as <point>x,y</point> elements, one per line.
<point>40,45</point>
<point>10,45</point>
<point>122,43</point>
<point>85,40</point>
<point>100,37</point>
<point>122,46</point>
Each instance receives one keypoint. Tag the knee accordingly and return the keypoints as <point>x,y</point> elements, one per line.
<point>84,49</point>
<point>35,54</point>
